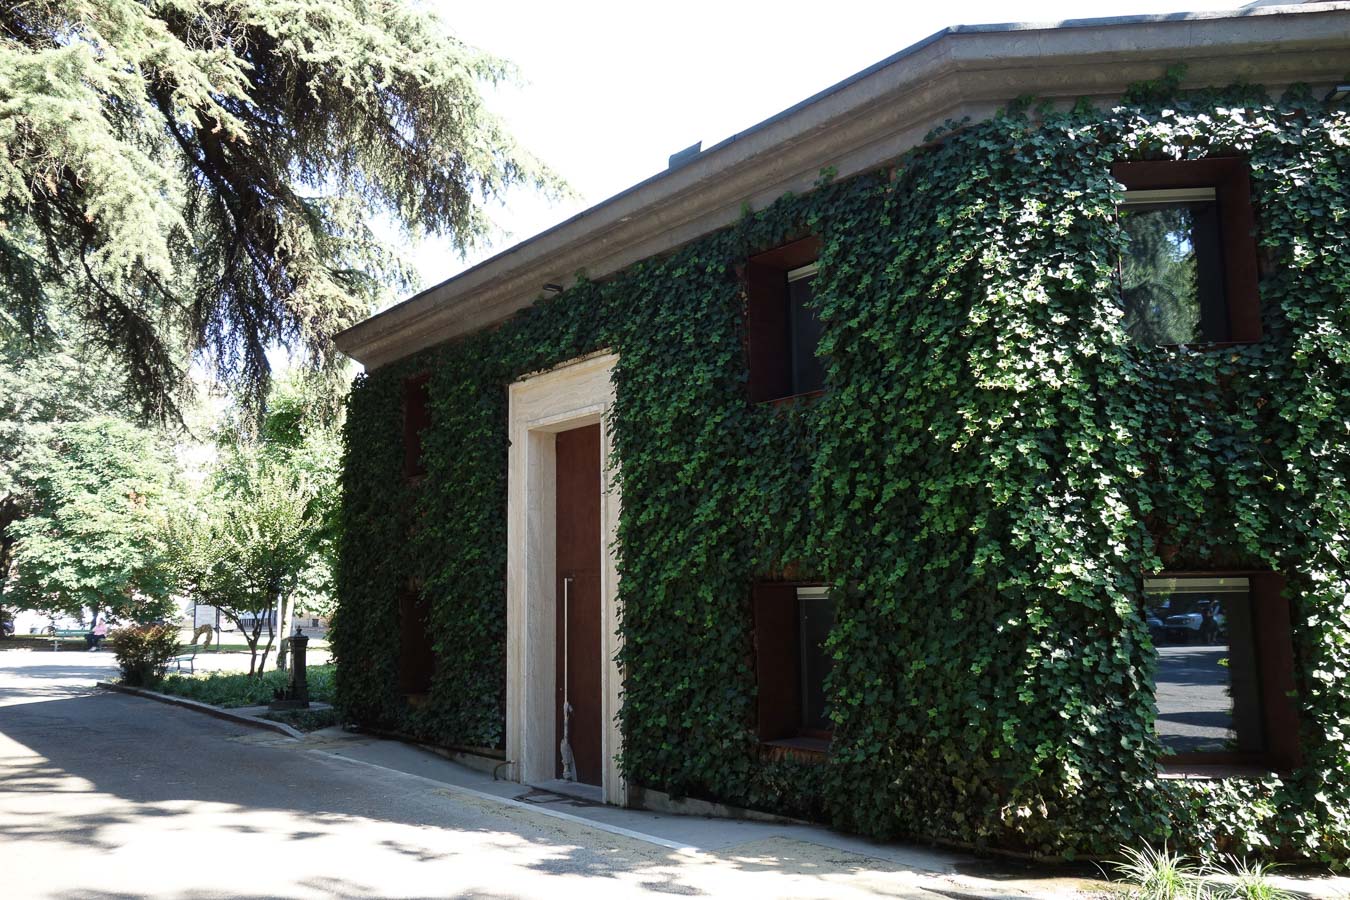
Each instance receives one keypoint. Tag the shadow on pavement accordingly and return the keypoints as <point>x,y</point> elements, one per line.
<point>85,775</point>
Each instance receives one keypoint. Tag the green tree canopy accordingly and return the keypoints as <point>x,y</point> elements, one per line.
<point>101,489</point>
<point>42,389</point>
<point>199,173</point>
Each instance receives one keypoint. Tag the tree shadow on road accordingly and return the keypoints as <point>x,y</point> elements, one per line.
<point>91,774</point>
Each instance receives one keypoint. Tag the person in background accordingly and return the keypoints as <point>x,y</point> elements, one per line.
<point>98,634</point>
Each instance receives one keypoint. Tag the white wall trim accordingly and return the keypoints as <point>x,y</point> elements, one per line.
<point>570,396</point>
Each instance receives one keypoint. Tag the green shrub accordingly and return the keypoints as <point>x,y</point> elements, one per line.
<point>143,652</point>
<point>1251,881</point>
<point>1159,874</point>
<point>230,690</point>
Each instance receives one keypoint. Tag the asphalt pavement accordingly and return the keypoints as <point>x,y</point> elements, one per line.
<point>107,796</point>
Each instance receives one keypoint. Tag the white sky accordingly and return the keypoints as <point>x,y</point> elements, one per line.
<point>611,89</point>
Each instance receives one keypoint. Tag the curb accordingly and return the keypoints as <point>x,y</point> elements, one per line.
<point>227,715</point>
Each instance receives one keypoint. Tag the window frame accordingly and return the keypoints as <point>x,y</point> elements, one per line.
<point>1231,181</point>
<point>1272,633</point>
<point>779,670</point>
<point>769,348</point>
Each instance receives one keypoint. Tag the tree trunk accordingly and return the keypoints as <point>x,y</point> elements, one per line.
<point>253,639</point>
<point>6,556</point>
<point>271,636</point>
<point>250,639</point>
<point>285,614</point>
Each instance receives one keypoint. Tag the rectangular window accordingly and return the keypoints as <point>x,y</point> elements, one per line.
<point>1207,683</point>
<point>1172,274</point>
<point>1188,274</point>
<point>782,327</point>
<point>1224,669</point>
<point>815,618</point>
<point>792,623</point>
<point>416,418</point>
<point>416,655</point>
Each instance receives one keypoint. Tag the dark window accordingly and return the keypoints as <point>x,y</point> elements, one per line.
<point>783,330</point>
<point>792,623</point>
<point>416,657</point>
<point>416,417</point>
<point>1224,669</point>
<point>1189,273</point>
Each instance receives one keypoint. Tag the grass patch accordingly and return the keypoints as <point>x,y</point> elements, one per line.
<point>42,642</point>
<point>232,647</point>
<point>231,690</point>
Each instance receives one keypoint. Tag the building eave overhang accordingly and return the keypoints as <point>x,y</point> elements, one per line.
<point>862,123</point>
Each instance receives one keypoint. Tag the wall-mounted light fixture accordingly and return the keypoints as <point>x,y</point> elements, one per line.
<point>552,288</point>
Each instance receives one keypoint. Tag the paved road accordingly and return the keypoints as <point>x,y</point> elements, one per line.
<point>106,796</point>
<point>1195,709</point>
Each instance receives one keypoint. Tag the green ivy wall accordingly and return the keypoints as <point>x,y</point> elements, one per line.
<point>979,483</point>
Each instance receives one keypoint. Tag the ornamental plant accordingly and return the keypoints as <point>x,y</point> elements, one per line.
<point>143,652</point>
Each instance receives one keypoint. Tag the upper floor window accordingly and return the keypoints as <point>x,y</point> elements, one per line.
<point>783,330</point>
<point>416,417</point>
<point>1189,274</point>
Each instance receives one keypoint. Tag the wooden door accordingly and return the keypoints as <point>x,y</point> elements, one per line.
<point>578,598</point>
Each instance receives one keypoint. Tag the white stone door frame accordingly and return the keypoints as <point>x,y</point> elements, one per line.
<point>570,396</point>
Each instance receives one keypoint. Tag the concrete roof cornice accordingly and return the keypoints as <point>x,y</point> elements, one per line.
<point>859,124</point>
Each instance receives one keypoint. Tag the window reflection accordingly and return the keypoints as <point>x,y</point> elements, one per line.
<point>1206,686</point>
<point>1172,270</point>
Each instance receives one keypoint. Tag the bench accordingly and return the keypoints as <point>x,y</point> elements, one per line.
<point>56,634</point>
<point>186,657</point>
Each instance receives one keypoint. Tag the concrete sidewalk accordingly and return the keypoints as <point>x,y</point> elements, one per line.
<point>950,873</point>
<point>802,846</point>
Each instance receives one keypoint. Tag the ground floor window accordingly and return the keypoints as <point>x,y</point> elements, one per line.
<point>1225,668</point>
<point>416,655</point>
<point>792,624</point>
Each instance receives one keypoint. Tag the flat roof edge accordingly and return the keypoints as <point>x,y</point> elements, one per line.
<point>504,283</point>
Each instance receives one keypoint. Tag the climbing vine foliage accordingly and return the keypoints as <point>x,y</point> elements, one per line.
<point>993,467</point>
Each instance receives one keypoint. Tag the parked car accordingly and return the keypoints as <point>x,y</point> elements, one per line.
<point>1156,629</point>
<point>1202,622</point>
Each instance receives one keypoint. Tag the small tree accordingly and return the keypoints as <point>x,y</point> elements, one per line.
<point>246,547</point>
<point>144,652</point>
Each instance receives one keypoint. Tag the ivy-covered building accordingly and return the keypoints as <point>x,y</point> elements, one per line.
<point>924,460</point>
